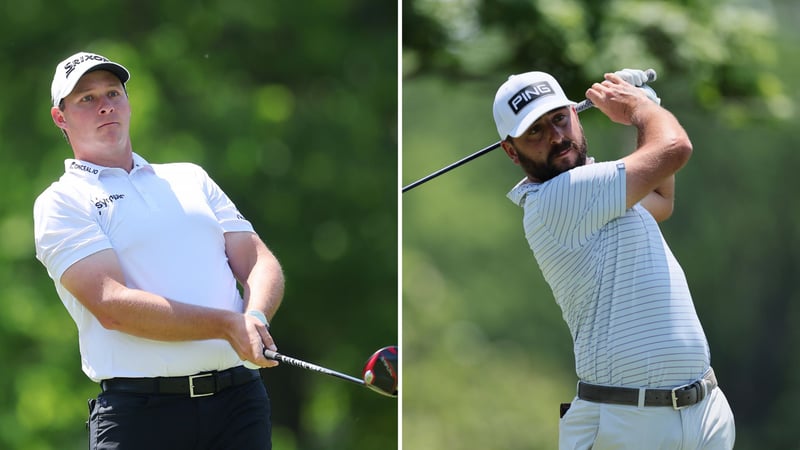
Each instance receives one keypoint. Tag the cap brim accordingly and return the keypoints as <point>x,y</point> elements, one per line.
<point>119,71</point>
<point>534,114</point>
<point>114,68</point>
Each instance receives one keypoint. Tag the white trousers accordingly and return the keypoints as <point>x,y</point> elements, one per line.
<point>598,426</point>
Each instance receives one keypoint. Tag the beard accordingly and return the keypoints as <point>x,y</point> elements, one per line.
<point>550,169</point>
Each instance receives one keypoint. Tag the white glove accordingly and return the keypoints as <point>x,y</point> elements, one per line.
<point>638,78</point>
<point>635,77</point>
<point>651,94</point>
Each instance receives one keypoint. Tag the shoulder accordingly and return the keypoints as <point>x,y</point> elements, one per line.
<point>66,190</point>
<point>596,171</point>
<point>177,167</point>
<point>180,169</point>
<point>586,181</point>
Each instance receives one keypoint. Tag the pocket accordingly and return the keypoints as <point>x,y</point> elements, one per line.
<point>119,402</point>
<point>130,418</point>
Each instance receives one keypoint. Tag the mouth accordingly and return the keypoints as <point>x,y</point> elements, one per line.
<point>108,124</point>
<point>559,153</point>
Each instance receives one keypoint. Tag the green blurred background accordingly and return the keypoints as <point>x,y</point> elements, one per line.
<point>487,357</point>
<point>292,108</point>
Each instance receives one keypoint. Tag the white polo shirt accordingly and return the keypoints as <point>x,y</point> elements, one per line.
<point>166,222</point>
<point>621,291</point>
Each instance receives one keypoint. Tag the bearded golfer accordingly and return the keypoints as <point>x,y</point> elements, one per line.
<point>641,355</point>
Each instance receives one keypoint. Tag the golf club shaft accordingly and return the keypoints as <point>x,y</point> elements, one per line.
<point>444,170</point>
<point>269,354</point>
<point>580,107</point>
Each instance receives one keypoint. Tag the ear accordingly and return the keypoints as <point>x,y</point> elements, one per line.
<point>511,152</point>
<point>58,117</point>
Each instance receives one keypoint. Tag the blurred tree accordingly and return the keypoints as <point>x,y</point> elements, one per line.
<point>723,51</point>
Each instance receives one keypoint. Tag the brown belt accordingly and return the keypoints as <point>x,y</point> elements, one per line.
<point>678,398</point>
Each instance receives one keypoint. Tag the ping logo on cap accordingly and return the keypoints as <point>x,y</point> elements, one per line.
<point>72,65</point>
<point>528,94</point>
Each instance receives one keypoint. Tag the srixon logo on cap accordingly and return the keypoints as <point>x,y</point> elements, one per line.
<point>72,65</point>
<point>528,94</point>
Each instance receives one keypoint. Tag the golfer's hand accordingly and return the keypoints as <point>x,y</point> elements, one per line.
<point>639,79</point>
<point>249,339</point>
<point>618,99</point>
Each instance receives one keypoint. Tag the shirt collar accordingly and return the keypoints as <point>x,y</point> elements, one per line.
<point>87,169</point>
<point>139,163</point>
<point>518,193</point>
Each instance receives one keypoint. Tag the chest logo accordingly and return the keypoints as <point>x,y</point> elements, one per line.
<point>102,204</point>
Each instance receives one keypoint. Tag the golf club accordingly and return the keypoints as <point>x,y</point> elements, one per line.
<point>580,107</point>
<point>379,373</point>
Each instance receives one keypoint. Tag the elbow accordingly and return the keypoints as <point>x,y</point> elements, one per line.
<point>108,314</point>
<point>682,149</point>
<point>108,322</point>
<point>675,152</point>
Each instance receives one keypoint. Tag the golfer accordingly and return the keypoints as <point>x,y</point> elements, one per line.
<point>146,259</point>
<point>641,356</point>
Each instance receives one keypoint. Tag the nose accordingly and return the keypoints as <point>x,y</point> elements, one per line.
<point>106,107</point>
<point>556,134</point>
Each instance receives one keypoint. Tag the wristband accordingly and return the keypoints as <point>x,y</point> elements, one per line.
<point>259,315</point>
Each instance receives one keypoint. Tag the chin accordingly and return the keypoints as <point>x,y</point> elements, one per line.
<point>572,162</point>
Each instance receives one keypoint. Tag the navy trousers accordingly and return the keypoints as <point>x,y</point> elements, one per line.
<point>238,418</point>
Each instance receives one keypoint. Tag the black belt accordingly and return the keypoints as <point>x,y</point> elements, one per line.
<point>198,385</point>
<point>678,398</point>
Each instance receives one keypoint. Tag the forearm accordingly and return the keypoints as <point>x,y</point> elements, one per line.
<point>662,149</point>
<point>663,146</point>
<point>257,270</point>
<point>152,316</point>
<point>264,286</point>
<point>662,141</point>
<point>147,315</point>
<point>98,283</point>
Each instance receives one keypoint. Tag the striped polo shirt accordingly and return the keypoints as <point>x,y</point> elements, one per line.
<point>622,293</point>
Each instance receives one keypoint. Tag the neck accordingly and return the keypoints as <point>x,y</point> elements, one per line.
<point>121,158</point>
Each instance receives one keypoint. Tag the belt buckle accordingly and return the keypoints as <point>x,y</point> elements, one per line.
<point>191,385</point>
<point>674,396</point>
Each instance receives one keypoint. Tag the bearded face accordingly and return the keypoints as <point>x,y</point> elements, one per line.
<point>563,156</point>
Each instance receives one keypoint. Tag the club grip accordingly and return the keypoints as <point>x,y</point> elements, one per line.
<point>651,75</point>
<point>586,104</point>
<point>269,354</point>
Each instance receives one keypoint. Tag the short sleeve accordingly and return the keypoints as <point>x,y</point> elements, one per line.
<point>224,209</point>
<point>64,231</point>
<point>576,204</point>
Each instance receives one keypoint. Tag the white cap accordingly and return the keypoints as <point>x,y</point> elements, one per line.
<point>69,71</point>
<point>524,98</point>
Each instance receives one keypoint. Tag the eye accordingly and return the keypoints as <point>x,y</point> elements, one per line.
<point>113,94</point>
<point>87,98</point>
<point>534,130</point>
<point>559,118</point>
